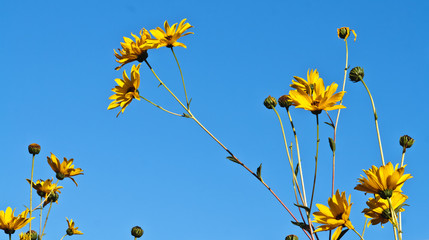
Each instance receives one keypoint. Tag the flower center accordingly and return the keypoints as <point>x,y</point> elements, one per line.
<point>169,37</point>
<point>315,103</point>
<point>131,89</point>
<point>339,216</point>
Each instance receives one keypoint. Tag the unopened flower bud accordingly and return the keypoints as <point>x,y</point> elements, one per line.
<point>34,148</point>
<point>406,141</point>
<point>137,231</point>
<point>53,197</point>
<point>33,235</point>
<point>285,101</point>
<point>69,231</point>
<point>291,237</point>
<point>60,176</point>
<point>343,32</point>
<point>356,74</point>
<point>270,102</point>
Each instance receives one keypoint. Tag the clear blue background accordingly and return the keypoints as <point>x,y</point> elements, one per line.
<point>164,173</point>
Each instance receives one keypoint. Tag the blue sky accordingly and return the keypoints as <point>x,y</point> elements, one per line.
<point>164,173</point>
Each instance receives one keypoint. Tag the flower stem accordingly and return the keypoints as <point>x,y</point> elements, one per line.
<point>46,219</point>
<point>394,219</point>
<point>31,190</point>
<point>10,236</point>
<point>181,74</point>
<point>376,122</point>
<point>40,231</point>
<point>315,167</point>
<point>63,236</point>
<point>156,105</point>
<point>403,156</point>
<point>364,226</point>
<point>361,237</point>
<point>400,214</point>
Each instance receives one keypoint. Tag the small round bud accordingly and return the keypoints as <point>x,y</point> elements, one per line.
<point>406,141</point>
<point>53,197</point>
<point>291,237</point>
<point>60,176</point>
<point>69,231</point>
<point>137,231</point>
<point>34,148</point>
<point>356,74</point>
<point>285,101</point>
<point>343,32</point>
<point>386,193</point>
<point>33,235</point>
<point>270,102</point>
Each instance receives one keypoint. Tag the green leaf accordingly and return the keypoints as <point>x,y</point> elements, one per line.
<point>301,225</point>
<point>232,159</point>
<point>304,207</point>
<point>159,84</point>
<point>189,103</point>
<point>332,144</point>
<point>258,172</point>
<point>296,169</point>
<point>400,206</point>
<point>330,124</point>
<point>342,233</point>
<point>186,115</point>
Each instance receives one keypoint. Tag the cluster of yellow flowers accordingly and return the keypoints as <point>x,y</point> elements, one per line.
<point>48,192</point>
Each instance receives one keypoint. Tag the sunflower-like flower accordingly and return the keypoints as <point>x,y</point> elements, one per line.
<point>313,96</point>
<point>383,181</point>
<point>24,236</point>
<point>43,188</point>
<point>126,90</point>
<point>64,169</point>
<point>334,216</point>
<point>344,33</point>
<point>312,80</point>
<point>71,230</point>
<point>379,210</point>
<point>169,37</point>
<point>9,223</point>
<point>135,50</point>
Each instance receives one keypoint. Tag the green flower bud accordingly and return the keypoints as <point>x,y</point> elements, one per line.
<point>34,148</point>
<point>406,141</point>
<point>53,197</point>
<point>69,231</point>
<point>270,102</point>
<point>33,235</point>
<point>343,32</point>
<point>356,74</point>
<point>285,101</point>
<point>60,176</point>
<point>291,237</point>
<point>137,231</point>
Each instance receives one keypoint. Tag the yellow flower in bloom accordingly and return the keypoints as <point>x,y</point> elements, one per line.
<point>379,210</point>
<point>71,230</point>
<point>344,33</point>
<point>317,98</point>
<point>306,86</point>
<point>45,187</point>
<point>9,223</point>
<point>126,90</point>
<point>64,169</point>
<point>383,181</point>
<point>334,216</point>
<point>24,236</point>
<point>135,50</point>
<point>169,37</point>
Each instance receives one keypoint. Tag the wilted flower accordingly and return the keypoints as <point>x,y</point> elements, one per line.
<point>344,33</point>
<point>71,230</point>
<point>64,169</point>
<point>169,37</point>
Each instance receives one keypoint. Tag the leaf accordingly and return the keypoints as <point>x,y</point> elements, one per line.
<point>301,225</point>
<point>342,233</point>
<point>296,169</point>
<point>400,206</point>
<point>186,115</point>
<point>304,207</point>
<point>330,124</point>
<point>332,144</point>
<point>232,159</point>
<point>258,172</point>
<point>189,103</point>
<point>159,84</point>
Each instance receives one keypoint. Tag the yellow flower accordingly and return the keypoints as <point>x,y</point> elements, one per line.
<point>306,86</point>
<point>45,187</point>
<point>383,181</point>
<point>126,90</point>
<point>312,95</point>
<point>24,236</point>
<point>169,37</point>
<point>379,210</point>
<point>71,230</point>
<point>64,169</point>
<point>334,216</point>
<point>9,223</point>
<point>135,50</point>
<point>344,33</point>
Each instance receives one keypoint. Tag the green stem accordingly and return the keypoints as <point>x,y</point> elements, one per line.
<point>394,218</point>
<point>400,214</point>
<point>364,226</point>
<point>10,236</point>
<point>46,219</point>
<point>403,156</point>
<point>40,231</point>
<point>376,122</point>
<point>31,190</point>
<point>361,237</point>
<point>315,167</point>
<point>63,236</point>
<point>156,105</point>
<point>181,74</point>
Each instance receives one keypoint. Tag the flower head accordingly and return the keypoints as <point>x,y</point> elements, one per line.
<point>71,230</point>
<point>135,50</point>
<point>126,90</point>
<point>379,210</point>
<point>9,223</point>
<point>24,236</point>
<point>34,148</point>
<point>64,169</point>
<point>344,33</point>
<point>313,96</point>
<point>334,216</point>
<point>43,188</point>
<point>169,37</point>
<point>383,181</point>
